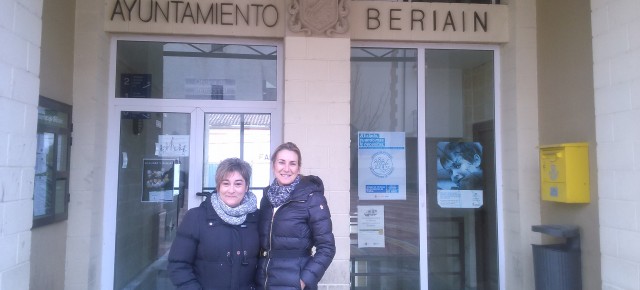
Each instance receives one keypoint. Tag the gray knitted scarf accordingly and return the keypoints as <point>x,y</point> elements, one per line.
<point>234,215</point>
<point>280,194</point>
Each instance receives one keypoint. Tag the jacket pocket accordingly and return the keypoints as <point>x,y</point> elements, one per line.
<point>215,275</point>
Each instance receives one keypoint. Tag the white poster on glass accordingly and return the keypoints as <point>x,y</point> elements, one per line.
<point>371,226</point>
<point>172,146</point>
<point>381,166</point>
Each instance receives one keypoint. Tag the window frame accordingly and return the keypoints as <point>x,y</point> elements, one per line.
<point>422,47</point>
<point>453,1</point>
<point>57,214</point>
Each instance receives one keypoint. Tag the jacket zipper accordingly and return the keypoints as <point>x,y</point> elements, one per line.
<point>273,216</point>
<point>266,268</point>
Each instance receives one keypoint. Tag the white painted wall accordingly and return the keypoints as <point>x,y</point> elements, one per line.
<point>20,31</point>
<point>316,117</point>
<point>616,58</point>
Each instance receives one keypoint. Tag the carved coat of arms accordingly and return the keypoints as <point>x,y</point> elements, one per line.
<point>318,16</point>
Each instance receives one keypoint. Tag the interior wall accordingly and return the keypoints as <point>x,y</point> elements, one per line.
<point>48,245</point>
<point>567,114</point>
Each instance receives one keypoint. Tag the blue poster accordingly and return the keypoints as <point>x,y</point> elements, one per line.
<point>460,179</point>
<point>381,166</point>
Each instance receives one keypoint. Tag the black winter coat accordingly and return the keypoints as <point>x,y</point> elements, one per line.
<point>287,237</point>
<point>210,254</point>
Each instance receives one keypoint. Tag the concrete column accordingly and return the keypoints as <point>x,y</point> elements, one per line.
<point>316,117</point>
<point>88,153</point>
<point>519,129</point>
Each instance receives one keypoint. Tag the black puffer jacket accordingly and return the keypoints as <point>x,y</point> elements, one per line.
<point>211,254</point>
<point>287,238</point>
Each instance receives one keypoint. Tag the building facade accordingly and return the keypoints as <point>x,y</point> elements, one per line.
<point>382,97</point>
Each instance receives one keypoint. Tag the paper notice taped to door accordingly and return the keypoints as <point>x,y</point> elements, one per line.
<point>460,198</point>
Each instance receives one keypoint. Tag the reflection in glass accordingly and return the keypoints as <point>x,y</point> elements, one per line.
<point>246,136</point>
<point>61,162</point>
<point>51,186</point>
<point>196,71</point>
<point>461,192</point>
<point>445,1</point>
<point>61,192</point>
<point>154,162</point>
<point>460,169</point>
<point>384,99</point>
<point>45,175</point>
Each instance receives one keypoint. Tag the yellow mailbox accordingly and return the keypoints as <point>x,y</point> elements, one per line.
<point>564,172</point>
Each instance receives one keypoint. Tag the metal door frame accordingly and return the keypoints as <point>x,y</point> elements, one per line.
<point>196,108</point>
<point>422,175</point>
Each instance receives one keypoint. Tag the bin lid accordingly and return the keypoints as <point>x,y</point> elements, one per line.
<point>560,231</point>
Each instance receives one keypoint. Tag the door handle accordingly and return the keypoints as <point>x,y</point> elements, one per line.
<point>206,194</point>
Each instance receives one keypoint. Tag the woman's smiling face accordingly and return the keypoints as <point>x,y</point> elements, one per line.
<point>286,167</point>
<point>232,189</point>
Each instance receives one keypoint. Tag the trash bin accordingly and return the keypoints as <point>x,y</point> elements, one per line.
<point>558,266</point>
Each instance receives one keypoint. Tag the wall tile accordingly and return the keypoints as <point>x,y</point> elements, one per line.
<point>21,213</point>
<point>328,48</point>
<point>27,24</point>
<point>16,278</point>
<point>295,47</point>
<point>8,251</point>
<point>312,70</point>
<point>620,273</point>
<point>618,214</point>
<point>13,50</point>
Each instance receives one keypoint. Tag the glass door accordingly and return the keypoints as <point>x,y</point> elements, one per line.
<point>243,135</point>
<point>424,201</point>
<point>385,193</point>
<point>178,107</point>
<point>152,182</point>
<point>460,168</point>
<point>158,153</point>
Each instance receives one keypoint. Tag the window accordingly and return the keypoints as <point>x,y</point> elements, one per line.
<point>385,227</point>
<point>51,183</point>
<point>423,184</point>
<point>458,1</point>
<point>449,1</point>
<point>196,71</point>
